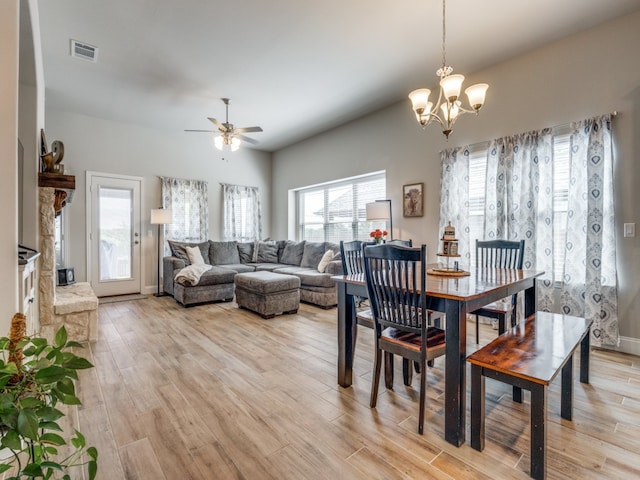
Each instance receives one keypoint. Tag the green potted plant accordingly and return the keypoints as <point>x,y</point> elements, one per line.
<point>35,377</point>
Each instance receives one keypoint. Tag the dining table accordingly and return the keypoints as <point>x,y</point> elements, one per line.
<point>455,296</point>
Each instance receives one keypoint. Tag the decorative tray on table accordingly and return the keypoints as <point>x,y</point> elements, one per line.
<point>448,272</point>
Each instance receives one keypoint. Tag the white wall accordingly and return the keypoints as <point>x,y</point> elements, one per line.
<point>93,144</point>
<point>592,73</point>
<point>9,21</point>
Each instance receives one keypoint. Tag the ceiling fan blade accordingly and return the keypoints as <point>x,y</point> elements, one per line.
<point>217,123</point>
<point>248,129</point>
<point>209,131</point>
<point>247,139</point>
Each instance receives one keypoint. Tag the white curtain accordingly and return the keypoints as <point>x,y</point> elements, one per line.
<point>242,213</point>
<point>519,204</point>
<point>189,204</point>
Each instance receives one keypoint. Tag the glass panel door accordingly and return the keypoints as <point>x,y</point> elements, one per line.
<point>114,235</point>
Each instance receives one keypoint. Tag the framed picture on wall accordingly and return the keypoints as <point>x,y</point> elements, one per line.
<point>412,200</point>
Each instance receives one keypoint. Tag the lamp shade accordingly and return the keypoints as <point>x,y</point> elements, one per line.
<point>160,216</point>
<point>378,210</point>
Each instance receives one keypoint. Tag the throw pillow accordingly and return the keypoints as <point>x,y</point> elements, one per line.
<point>267,252</point>
<point>195,257</point>
<point>245,251</point>
<point>312,254</point>
<point>292,252</point>
<point>325,260</point>
<point>224,253</point>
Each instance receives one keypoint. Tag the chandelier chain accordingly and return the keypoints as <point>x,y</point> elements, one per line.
<point>444,36</point>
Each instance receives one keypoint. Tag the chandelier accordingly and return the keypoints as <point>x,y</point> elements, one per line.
<point>448,107</point>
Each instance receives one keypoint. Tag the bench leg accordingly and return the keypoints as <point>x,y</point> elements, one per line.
<point>538,431</point>
<point>584,358</point>
<point>477,408</point>
<point>566,395</point>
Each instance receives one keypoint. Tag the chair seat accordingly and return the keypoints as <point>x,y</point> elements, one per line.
<point>435,338</point>
<point>495,308</point>
<point>365,318</point>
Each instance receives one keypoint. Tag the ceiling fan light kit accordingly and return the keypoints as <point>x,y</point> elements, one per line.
<point>448,103</point>
<point>229,137</point>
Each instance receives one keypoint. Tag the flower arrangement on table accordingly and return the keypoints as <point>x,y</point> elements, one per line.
<point>378,235</point>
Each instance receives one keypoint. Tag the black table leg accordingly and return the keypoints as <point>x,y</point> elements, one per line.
<point>477,408</point>
<point>455,393</point>
<point>538,430</point>
<point>584,358</point>
<point>566,395</point>
<point>346,344</point>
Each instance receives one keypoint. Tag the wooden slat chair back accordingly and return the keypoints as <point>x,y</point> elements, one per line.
<point>498,254</point>
<point>396,277</point>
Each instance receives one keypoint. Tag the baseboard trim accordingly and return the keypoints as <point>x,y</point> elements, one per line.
<point>628,345</point>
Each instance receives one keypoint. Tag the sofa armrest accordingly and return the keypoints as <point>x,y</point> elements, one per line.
<point>170,266</point>
<point>334,267</point>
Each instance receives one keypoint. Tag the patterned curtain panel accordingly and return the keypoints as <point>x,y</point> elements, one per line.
<point>189,204</point>
<point>574,244</point>
<point>454,197</point>
<point>590,276</point>
<point>242,213</point>
<point>519,202</point>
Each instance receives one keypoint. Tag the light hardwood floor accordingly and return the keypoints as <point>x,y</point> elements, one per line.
<point>214,392</point>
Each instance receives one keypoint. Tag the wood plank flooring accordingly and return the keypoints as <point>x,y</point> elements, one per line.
<point>214,392</point>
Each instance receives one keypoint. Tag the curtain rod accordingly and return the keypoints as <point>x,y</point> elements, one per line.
<point>234,185</point>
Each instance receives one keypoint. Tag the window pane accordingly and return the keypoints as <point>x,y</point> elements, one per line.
<point>115,213</point>
<point>337,210</point>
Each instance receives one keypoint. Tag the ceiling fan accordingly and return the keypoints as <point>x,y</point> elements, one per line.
<point>229,136</point>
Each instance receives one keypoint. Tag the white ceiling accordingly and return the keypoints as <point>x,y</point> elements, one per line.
<point>293,67</point>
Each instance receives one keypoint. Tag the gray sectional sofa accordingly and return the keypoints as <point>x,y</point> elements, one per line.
<point>301,259</point>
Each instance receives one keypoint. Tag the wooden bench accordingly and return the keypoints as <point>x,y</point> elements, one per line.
<point>529,356</point>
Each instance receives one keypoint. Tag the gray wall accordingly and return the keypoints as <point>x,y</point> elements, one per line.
<point>98,145</point>
<point>591,73</point>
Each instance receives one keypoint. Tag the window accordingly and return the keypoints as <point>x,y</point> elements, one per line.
<point>242,217</point>
<point>189,205</point>
<point>477,196</point>
<point>59,239</point>
<point>337,211</point>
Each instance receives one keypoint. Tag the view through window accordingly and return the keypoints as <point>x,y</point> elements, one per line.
<point>337,211</point>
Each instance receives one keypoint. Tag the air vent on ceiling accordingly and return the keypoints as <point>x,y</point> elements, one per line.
<point>84,51</point>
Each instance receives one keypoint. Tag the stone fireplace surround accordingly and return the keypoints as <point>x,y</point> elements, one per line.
<point>74,306</point>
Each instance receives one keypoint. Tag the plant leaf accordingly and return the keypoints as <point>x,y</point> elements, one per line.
<point>70,400</point>
<point>50,414</point>
<point>52,438</point>
<point>30,402</point>
<point>11,440</point>
<point>4,467</point>
<point>50,426</point>
<point>93,469</point>
<point>66,386</point>
<point>76,363</point>
<point>51,374</point>
<point>28,424</point>
<point>61,337</point>
<point>92,452</point>
<point>53,465</point>
<point>33,470</point>
<point>73,344</point>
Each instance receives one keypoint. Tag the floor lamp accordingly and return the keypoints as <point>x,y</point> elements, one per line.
<point>381,210</point>
<point>160,216</point>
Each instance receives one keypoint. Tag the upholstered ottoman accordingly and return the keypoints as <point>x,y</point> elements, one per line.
<point>268,293</point>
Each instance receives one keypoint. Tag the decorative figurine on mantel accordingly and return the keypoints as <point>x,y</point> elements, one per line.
<point>449,250</point>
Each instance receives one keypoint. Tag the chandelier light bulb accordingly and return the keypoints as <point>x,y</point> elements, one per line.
<point>420,100</point>
<point>218,142</point>
<point>451,86</point>
<point>476,94</point>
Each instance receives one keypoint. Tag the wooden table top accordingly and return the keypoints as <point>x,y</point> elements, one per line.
<point>537,347</point>
<point>479,283</point>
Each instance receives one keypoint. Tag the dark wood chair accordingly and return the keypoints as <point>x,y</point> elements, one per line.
<point>396,280</point>
<point>498,254</point>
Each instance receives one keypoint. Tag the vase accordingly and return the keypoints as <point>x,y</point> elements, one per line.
<point>379,241</point>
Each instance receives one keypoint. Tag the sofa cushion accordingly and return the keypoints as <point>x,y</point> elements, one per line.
<point>308,276</point>
<point>267,252</point>
<point>266,266</point>
<point>178,250</point>
<point>224,253</point>
<point>292,253</point>
<point>239,267</point>
<point>312,254</point>
<point>245,250</point>
<point>216,276</point>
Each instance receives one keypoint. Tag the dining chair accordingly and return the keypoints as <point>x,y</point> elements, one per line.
<point>498,254</point>
<point>351,253</point>
<point>396,284</point>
